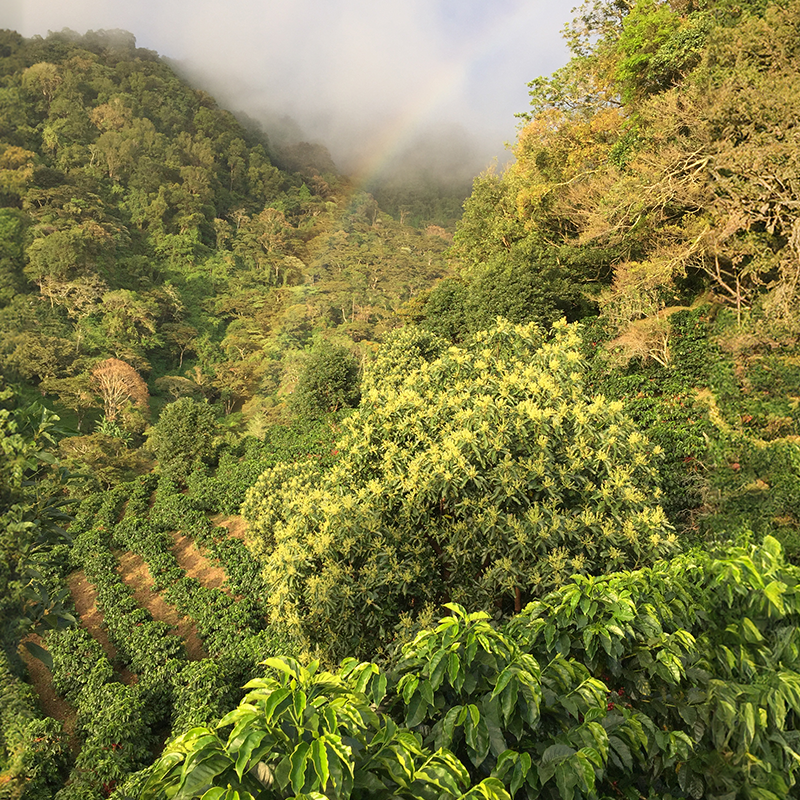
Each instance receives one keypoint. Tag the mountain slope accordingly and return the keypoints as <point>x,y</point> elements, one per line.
<point>140,221</point>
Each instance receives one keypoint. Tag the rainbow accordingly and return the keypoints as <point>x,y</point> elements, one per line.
<point>398,133</point>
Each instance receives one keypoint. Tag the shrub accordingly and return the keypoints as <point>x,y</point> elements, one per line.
<point>329,381</point>
<point>483,476</point>
<point>183,435</point>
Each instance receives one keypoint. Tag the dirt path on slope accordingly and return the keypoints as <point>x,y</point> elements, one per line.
<point>196,565</point>
<point>135,574</point>
<point>85,599</point>
<point>42,681</point>
<point>236,525</point>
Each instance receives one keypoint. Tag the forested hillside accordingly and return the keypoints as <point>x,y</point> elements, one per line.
<point>654,198</point>
<point>343,508</point>
<point>143,223</point>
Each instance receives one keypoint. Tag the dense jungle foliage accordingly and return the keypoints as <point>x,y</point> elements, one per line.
<point>300,501</point>
<point>143,223</point>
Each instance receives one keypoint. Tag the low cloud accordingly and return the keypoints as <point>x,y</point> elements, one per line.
<point>370,80</point>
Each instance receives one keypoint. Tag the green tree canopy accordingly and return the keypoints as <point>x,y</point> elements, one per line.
<point>329,381</point>
<point>156,229</point>
<point>31,517</point>
<point>183,435</point>
<point>661,158</point>
<point>483,475</point>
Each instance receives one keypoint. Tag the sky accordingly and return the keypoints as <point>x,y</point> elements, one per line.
<point>369,79</point>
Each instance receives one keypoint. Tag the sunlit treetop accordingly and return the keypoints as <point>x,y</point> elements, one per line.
<point>483,475</point>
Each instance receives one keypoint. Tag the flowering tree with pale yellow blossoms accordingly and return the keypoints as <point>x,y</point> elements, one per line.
<point>483,475</point>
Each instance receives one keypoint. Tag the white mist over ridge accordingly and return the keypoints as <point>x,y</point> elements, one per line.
<point>372,81</point>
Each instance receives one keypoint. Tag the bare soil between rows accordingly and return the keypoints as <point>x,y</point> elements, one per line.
<point>236,525</point>
<point>195,564</point>
<point>135,574</point>
<point>85,599</point>
<point>42,681</point>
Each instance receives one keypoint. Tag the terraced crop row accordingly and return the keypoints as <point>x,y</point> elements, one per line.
<point>155,688</point>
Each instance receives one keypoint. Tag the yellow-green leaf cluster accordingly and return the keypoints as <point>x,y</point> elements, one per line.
<point>482,476</point>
